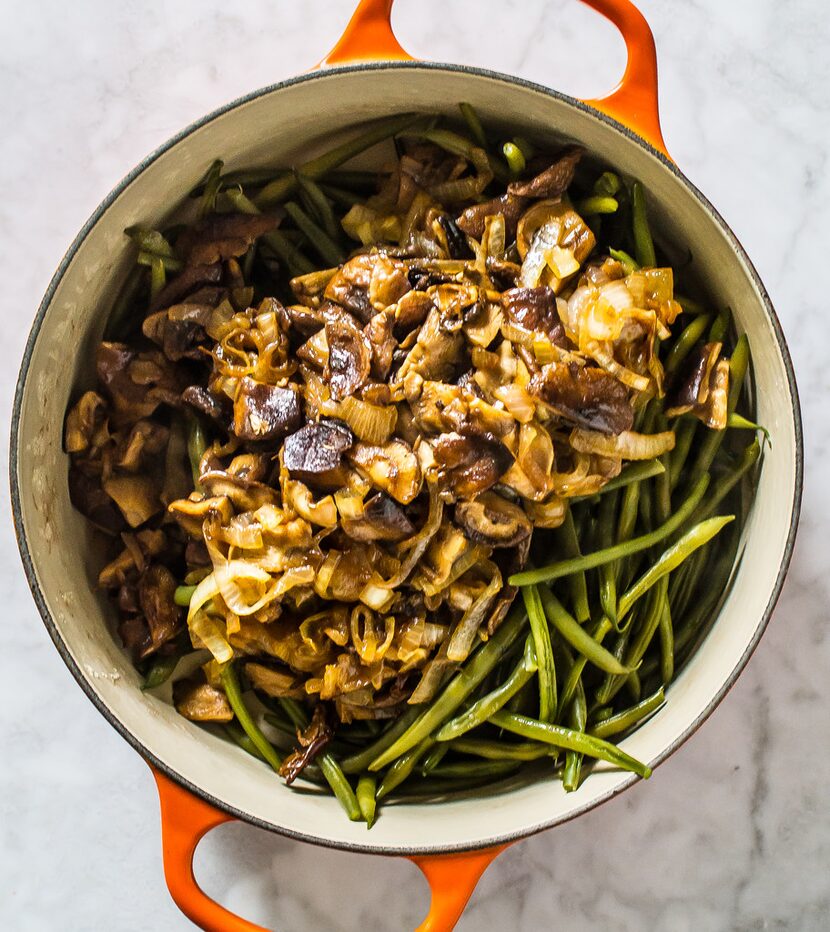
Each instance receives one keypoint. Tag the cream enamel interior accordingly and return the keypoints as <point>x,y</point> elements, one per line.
<point>284,125</point>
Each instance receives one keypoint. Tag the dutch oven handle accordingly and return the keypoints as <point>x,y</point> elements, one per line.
<point>369,37</point>
<point>186,819</point>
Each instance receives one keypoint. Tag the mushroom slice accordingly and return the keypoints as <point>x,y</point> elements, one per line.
<point>198,701</point>
<point>222,236</point>
<point>348,360</point>
<point>191,512</point>
<point>368,283</point>
<point>392,468</point>
<point>474,219</point>
<point>534,309</point>
<point>137,497</point>
<point>91,500</point>
<point>316,449</point>
<point>381,519</point>
<point>83,421</point>
<point>265,412</point>
<point>493,520</point>
<point>469,464</point>
<point>554,180</point>
<point>281,685</point>
<point>585,395</point>
<point>155,595</point>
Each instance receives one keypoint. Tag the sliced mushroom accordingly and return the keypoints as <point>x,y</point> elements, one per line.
<point>534,309</point>
<point>198,701</point>
<point>265,412</point>
<point>381,519</point>
<point>278,683</point>
<point>393,468</point>
<point>584,395</point>
<point>146,439</point>
<point>186,282</point>
<point>217,408</point>
<point>316,450</point>
<point>470,464</point>
<point>91,500</point>
<point>493,520</point>
<point>348,360</point>
<point>473,220</point>
<point>312,742</point>
<point>369,282</point>
<point>137,497</point>
<point>83,421</point>
<point>137,383</point>
<point>703,387</point>
<point>554,180</point>
<point>155,595</point>
<point>191,512</point>
<point>222,236</point>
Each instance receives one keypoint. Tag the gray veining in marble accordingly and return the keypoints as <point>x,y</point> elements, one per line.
<point>733,831</point>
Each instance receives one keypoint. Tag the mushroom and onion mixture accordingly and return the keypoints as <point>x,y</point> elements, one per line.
<point>343,418</point>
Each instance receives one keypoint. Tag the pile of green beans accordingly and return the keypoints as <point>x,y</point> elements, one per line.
<point>598,633</point>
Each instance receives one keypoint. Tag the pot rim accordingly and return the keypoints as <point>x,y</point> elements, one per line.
<point>28,562</point>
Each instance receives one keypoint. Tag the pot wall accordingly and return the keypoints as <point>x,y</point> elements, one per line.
<point>288,124</point>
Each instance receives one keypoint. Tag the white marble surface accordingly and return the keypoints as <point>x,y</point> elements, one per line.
<point>733,831</point>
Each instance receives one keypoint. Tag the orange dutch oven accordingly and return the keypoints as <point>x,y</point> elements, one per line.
<point>204,781</point>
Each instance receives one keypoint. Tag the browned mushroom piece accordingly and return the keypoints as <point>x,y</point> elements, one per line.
<point>554,180</point>
<point>703,387</point>
<point>393,468</point>
<point>216,407</point>
<point>368,282</point>
<point>535,309</point>
<point>493,520</point>
<point>137,496</point>
<point>146,439</point>
<point>155,595</point>
<point>436,352</point>
<point>83,420</point>
<point>190,278</point>
<point>473,219</point>
<point>584,395</point>
<point>149,543</point>
<point>282,684</point>
<point>198,701</point>
<point>313,741</point>
<point>92,501</point>
<point>470,464</point>
<point>222,236</point>
<point>381,519</point>
<point>379,332</point>
<point>137,383</point>
<point>191,512</point>
<point>316,450</point>
<point>265,412</point>
<point>348,360</point>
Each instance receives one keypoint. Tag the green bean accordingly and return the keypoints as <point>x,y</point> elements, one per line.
<point>546,671</point>
<point>356,179</point>
<point>163,666</point>
<point>212,185</point>
<point>230,683</point>
<point>647,507</point>
<point>684,435</point>
<point>636,545</point>
<point>341,196</point>
<point>360,760</point>
<point>470,676</point>
<point>666,630</point>
<point>151,242</point>
<point>738,422</point>
<point>238,736</point>
<point>570,740</point>
<point>196,446</point>
<point>473,124</point>
<point>318,167</point>
<point>366,789</point>
<point>607,184</point>
<point>607,573</point>
<point>689,305</point>
<point>602,714</point>
<point>590,206</point>
<point>572,681</point>
<point>434,758</point>
<point>628,263</point>
<point>643,243</point>
<point>295,261</point>
<point>403,767</point>
<point>622,721</point>
<point>328,250</point>
<point>719,328</point>
<point>457,144</point>
<point>689,337</point>
<point>183,595</point>
<point>123,315</point>
<point>671,558</point>
<point>515,159</point>
<point>483,708</point>
<point>474,770</point>
<point>158,275</point>
<point>726,483</point>
<point>573,759</point>
<point>316,198</point>
<point>634,472</point>
<point>577,636</point>
<point>499,750</point>
<point>569,540</point>
<point>528,150</point>
<point>331,770</point>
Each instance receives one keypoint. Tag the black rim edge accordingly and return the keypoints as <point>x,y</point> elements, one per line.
<point>28,563</point>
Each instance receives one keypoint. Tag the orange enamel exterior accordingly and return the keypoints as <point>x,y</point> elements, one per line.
<point>452,878</point>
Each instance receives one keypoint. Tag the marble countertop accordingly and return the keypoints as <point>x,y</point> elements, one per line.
<point>733,831</point>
